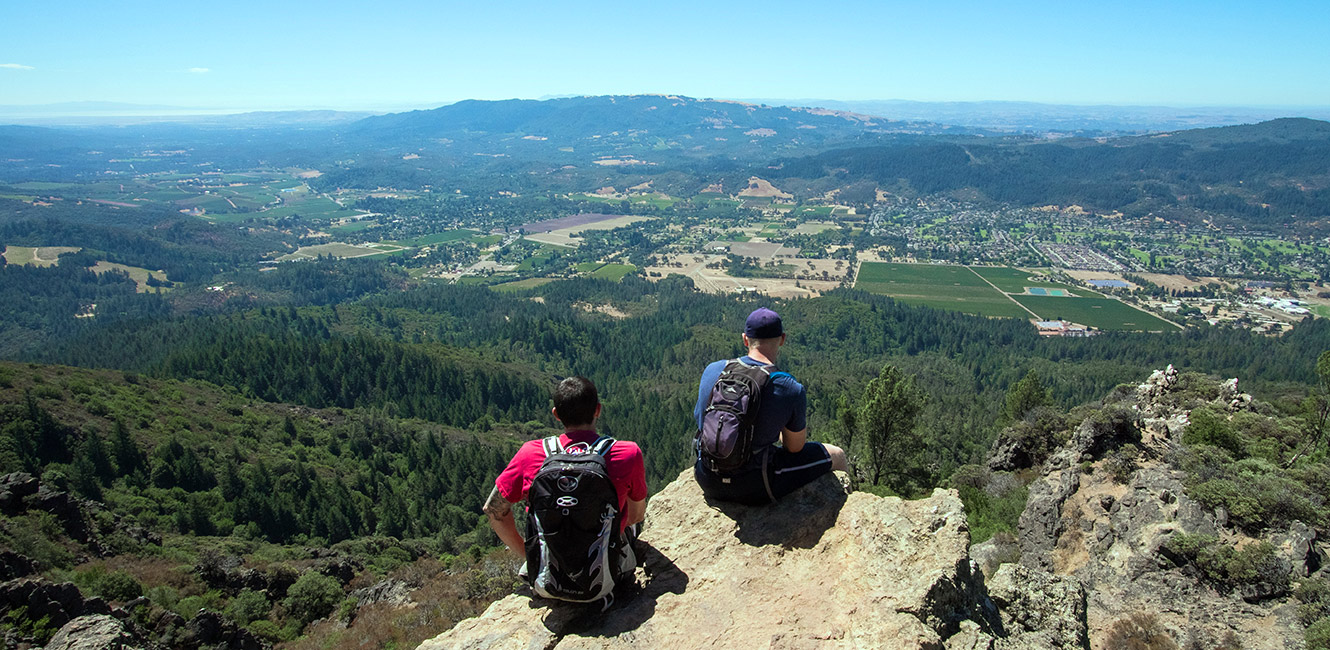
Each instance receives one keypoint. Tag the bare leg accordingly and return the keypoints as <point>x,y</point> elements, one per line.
<point>837,454</point>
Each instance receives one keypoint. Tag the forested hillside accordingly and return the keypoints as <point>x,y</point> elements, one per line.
<point>370,420</point>
<point>1265,175</point>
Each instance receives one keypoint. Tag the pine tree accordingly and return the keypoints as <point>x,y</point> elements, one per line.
<point>887,412</point>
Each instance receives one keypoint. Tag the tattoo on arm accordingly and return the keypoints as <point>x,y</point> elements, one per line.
<point>496,506</point>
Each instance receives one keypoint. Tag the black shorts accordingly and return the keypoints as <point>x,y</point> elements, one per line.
<point>765,482</point>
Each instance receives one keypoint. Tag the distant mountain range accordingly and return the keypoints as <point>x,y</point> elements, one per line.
<point>1038,117</point>
<point>125,114</point>
<point>998,116</point>
<point>654,126</point>
<point>1269,174</point>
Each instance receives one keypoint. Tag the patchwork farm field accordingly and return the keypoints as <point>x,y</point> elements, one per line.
<point>962,289</point>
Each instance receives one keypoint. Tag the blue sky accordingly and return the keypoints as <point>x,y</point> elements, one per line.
<point>391,55</point>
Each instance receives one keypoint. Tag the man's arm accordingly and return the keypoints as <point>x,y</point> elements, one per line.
<point>635,512</point>
<point>793,441</point>
<point>500,514</point>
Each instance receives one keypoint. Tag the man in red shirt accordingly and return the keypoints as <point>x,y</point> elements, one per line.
<point>576,406</point>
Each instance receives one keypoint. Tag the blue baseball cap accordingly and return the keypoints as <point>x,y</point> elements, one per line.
<point>763,324</point>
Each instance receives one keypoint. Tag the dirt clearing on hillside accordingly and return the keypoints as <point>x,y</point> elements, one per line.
<point>758,188</point>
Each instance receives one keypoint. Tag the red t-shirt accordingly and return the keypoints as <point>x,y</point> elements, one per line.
<point>624,462</point>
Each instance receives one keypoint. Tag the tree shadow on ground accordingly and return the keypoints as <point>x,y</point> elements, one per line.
<point>634,604</point>
<point>796,521</point>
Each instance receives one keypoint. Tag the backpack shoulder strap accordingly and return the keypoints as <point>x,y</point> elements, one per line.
<point>602,446</point>
<point>552,446</point>
<point>765,368</point>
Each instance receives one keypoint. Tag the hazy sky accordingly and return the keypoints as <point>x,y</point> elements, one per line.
<point>389,55</point>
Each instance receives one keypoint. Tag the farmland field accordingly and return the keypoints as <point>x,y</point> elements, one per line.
<point>439,238</point>
<point>958,288</point>
<point>138,275</point>
<point>614,272</point>
<point>1103,313</point>
<point>339,250</point>
<point>44,256</point>
<point>1015,280</point>
<point>933,285</point>
<point>521,284</point>
<point>571,221</point>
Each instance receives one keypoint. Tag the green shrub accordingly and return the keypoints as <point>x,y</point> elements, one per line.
<point>18,622</point>
<point>1255,565</point>
<point>266,630</point>
<point>1121,463</point>
<point>988,515</point>
<point>1210,428</point>
<point>1314,594</point>
<point>38,535</point>
<point>118,586</point>
<point>248,606</point>
<point>312,597</point>
<point>1317,635</point>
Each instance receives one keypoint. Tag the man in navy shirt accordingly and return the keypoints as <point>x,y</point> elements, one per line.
<point>773,471</point>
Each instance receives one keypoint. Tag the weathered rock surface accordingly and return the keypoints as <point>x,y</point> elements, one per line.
<point>823,569</point>
<point>58,603</point>
<point>390,591</point>
<point>95,632</point>
<point>1107,533</point>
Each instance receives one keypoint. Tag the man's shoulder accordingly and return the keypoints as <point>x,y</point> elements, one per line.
<point>785,384</point>
<point>530,448</point>
<point>626,448</point>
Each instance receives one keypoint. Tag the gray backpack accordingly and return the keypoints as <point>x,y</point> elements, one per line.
<point>725,439</point>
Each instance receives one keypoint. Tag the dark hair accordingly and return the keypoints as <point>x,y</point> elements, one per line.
<point>575,401</point>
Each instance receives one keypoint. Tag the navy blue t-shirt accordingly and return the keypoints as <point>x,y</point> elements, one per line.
<point>784,403</point>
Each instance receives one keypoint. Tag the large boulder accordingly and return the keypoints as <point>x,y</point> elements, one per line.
<point>95,632</point>
<point>825,568</point>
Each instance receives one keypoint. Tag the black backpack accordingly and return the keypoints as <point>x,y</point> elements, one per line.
<point>572,541</point>
<point>725,439</point>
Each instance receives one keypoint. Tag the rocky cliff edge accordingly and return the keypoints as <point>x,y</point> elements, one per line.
<point>826,568</point>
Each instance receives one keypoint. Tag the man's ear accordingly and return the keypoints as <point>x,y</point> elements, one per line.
<point>597,412</point>
<point>555,413</point>
<point>746,344</point>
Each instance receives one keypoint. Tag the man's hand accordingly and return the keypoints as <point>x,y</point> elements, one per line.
<point>500,514</point>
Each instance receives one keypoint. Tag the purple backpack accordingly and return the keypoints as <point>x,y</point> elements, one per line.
<point>725,439</point>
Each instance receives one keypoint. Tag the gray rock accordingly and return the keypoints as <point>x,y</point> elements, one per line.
<point>1039,602</point>
<point>994,552</point>
<point>1297,545</point>
<point>1041,522</point>
<point>391,591</point>
<point>95,632</point>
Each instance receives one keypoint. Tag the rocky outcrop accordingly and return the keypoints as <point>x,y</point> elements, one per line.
<point>825,568</point>
<point>95,632</point>
<point>39,598</point>
<point>390,591</point>
<point>1105,526</point>
<point>21,493</point>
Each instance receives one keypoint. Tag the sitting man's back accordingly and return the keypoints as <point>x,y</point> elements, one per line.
<point>766,472</point>
<point>584,492</point>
